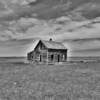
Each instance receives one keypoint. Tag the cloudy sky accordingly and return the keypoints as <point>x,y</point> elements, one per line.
<point>75,23</point>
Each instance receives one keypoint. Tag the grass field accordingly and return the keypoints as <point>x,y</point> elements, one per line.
<point>70,81</point>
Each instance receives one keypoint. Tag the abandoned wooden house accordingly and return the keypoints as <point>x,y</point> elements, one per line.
<point>48,52</point>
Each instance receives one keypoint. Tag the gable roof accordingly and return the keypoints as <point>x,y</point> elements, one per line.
<point>53,45</point>
<point>48,45</point>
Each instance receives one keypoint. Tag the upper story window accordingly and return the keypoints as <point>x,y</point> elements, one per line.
<point>41,47</point>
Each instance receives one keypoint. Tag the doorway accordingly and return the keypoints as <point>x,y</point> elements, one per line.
<point>58,58</point>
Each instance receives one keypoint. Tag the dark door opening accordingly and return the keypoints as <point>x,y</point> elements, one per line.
<point>52,57</point>
<point>58,58</point>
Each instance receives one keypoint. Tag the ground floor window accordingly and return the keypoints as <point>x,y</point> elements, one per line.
<point>52,57</point>
<point>63,57</point>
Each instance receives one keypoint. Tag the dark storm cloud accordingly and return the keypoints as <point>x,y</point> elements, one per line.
<point>49,9</point>
<point>44,9</point>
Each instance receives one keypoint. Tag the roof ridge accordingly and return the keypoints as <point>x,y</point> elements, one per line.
<point>51,41</point>
<point>53,44</point>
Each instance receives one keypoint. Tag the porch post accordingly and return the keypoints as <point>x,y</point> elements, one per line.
<point>66,54</point>
<point>47,56</point>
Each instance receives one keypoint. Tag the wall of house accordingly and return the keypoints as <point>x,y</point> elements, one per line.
<point>42,54</point>
<point>48,55</point>
<point>57,55</point>
<point>30,56</point>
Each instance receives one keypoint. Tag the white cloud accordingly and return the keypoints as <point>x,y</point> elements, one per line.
<point>46,29</point>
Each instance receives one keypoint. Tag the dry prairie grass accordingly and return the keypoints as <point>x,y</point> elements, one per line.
<point>80,81</point>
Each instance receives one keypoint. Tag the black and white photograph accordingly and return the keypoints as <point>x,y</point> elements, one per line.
<point>49,49</point>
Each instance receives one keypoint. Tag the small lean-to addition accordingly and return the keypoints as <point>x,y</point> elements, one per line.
<point>48,52</point>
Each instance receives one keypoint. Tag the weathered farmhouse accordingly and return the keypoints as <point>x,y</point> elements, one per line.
<point>48,52</point>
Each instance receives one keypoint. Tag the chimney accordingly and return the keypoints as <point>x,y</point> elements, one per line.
<point>50,39</point>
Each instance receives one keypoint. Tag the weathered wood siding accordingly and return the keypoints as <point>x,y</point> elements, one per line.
<point>58,55</point>
<point>42,55</point>
<point>39,54</point>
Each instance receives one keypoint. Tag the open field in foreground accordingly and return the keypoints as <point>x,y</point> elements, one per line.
<point>72,81</point>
